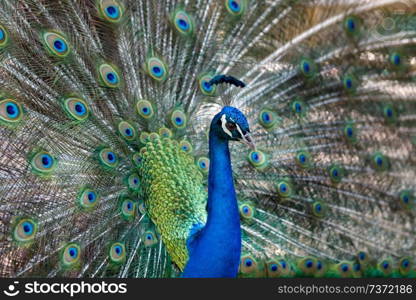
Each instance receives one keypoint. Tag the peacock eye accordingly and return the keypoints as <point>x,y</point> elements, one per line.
<point>24,230</point>
<point>117,253</point>
<point>231,126</point>
<point>70,255</point>
<point>56,44</point>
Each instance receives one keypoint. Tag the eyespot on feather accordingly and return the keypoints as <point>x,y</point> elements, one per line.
<point>276,269</point>
<point>183,22</point>
<point>308,68</point>
<point>306,266</point>
<point>4,37</point>
<point>298,108</point>
<point>109,76</point>
<point>350,133</point>
<point>204,86</point>
<point>11,111</point>
<point>87,199</point>
<point>145,109</point>
<point>379,162</point>
<point>303,159</point>
<point>42,163</point>
<point>203,164</point>
<point>405,265</point>
<point>117,253</point>
<point>111,11</point>
<point>336,173</point>
<point>24,230</point>
<point>385,267</point>
<point>236,7</point>
<point>108,158</point>
<point>165,132</point>
<point>178,119</point>
<point>127,131</point>
<point>352,26</point>
<point>128,209</point>
<point>76,108</point>
<point>344,269</point>
<point>406,200</point>
<point>390,114</point>
<point>350,83</point>
<point>185,146</point>
<point>284,188</point>
<point>247,211</point>
<point>156,69</point>
<point>70,256</point>
<point>258,159</point>
<point>248,265</point>
<point>149,238</point>
<point>268,119</point>
<point>318,208</point>
<point>56,44</point>
<point>133,182</point>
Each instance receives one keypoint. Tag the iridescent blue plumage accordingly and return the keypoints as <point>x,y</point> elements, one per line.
<point>215,250</point>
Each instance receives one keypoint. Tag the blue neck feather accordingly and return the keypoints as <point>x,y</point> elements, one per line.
<point>215,252</point>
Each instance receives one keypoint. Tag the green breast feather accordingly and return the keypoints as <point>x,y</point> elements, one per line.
<point>174,193</point>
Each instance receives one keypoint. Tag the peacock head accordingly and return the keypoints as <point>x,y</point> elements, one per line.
<point>231,124</point>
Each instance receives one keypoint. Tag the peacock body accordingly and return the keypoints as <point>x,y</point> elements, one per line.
<point>118,124</point>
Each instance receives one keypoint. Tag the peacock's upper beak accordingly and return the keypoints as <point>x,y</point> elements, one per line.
<point>248,141</point>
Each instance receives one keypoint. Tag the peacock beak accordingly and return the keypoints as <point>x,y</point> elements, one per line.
<point>248,141</point>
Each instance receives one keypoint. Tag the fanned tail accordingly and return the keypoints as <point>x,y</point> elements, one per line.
<point>329,189</point>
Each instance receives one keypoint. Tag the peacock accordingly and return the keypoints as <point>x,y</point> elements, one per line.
<point>207,138</point>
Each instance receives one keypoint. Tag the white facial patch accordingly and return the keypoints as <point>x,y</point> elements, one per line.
<point>224,127</point>
<point>239,130</point>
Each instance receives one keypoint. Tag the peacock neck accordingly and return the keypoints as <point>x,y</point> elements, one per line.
<point>222,204</point>
<point>216,251</point>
